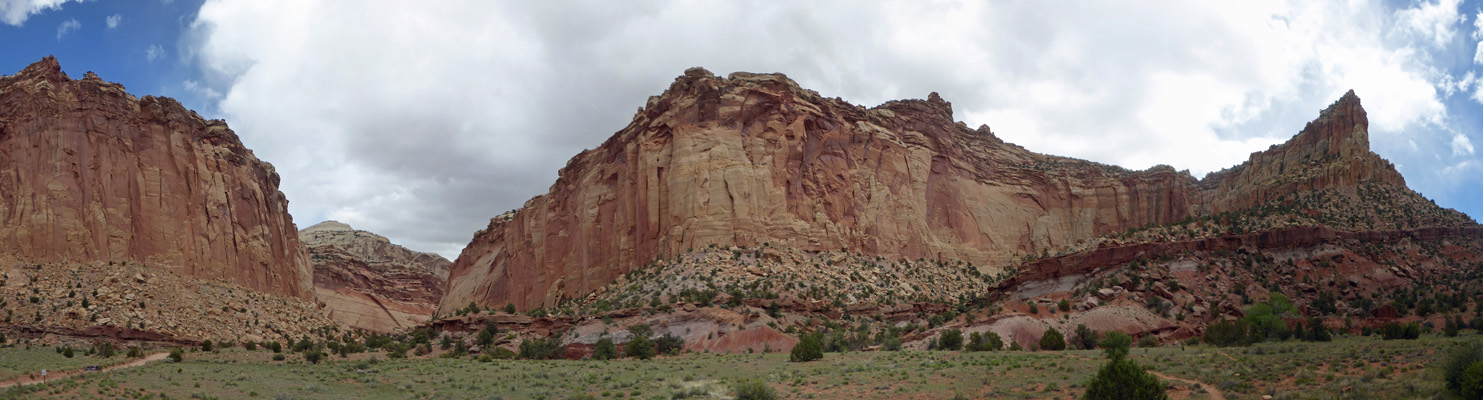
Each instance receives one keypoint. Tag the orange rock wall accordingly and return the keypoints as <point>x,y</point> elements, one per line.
<point>91,173</point>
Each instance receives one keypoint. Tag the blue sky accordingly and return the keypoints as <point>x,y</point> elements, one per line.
<point>421,120</point>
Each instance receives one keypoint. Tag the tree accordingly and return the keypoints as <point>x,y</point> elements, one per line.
<point>1086,338</point>
<point>1052,340</point>
<point>669,344</point>
<point>206,345</point>
<point>992,342</point>
<point>1121,378</point>
<point>1064,305</point>
<point>486,335</point>
<point>105,350</point>
<point>313,356</point>
<point>177,355</point>
<point>641,330</point>
<point>604,349</point>
<point>808,348</point>
<point>640,347</point>
<point>1457,366</point>
<point>1225,333</point>
<point>975,342</point>
<point>951,339</point>
<point>541,349</point>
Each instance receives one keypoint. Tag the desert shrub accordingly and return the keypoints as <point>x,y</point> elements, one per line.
<point>1225,333</point>
<point>313,356</point>
<point>753,390</point>
<point>206,345</point>
<point>541,349</point>
<point>501,353</point>
<point>975,342</point>
<point>135,352</point>
<point>1396,330</point>
<point>1470,384</point>
<point>275,346</point>
<point>67,351</point>
<point>1457,365</point>
<point>251,346</point>
<point>1086,338</point>
<point>510,308</point>
<point>892,343</point>
<point>303,344</point>
<point>1121,378</point>
<point>486,335</point>
<point>177,354</point>
<point>604,349</point>
<point>1014,345</point>
<point>669,344</point>
<point>951,339</point>
<point>639,347</point>
<point>280,357</point>
<point>807,349</point>
<point>1316,331</point>
<point>1148,341</point>
<point>992,342</point>
<point>1450,329</point>
<point>1064,305</point>
<point>105,350</point>
<point>1052,340</point>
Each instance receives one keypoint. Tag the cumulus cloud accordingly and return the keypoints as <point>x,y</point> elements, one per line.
<point>1436,23</point>
<point>113,20</point>
<point>16,12</point>
<point>420,121</point>
<point>67,26</point>
<point>1461,146</point>
<point>154,52</point>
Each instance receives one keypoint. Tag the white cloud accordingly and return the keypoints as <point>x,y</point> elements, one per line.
<point>1436,23</point>
<point>16,12</point>
<point>1478,35</point>
<point>154,52</point>
<point>113,20</point>
<point>425,148</point>
<point>1461,146</point>
<point>67,26</point>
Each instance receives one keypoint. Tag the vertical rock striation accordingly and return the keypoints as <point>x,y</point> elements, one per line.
<point>752,158</point>
<point>91,173</point>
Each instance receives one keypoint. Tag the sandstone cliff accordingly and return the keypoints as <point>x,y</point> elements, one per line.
<point>89,172</point>
<point>366,282</point>
<point>753,159</point>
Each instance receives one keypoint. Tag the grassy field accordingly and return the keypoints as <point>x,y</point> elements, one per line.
<point>17,361</point>
<point>1350,367</point>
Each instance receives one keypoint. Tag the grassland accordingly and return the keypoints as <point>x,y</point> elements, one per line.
<point>1350,367</point>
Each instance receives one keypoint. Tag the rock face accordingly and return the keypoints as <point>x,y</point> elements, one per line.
<point>367,282</point>
<point>91,173</point>
<point>752,159</point>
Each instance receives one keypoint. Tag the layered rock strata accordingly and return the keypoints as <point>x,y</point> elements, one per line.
<point>89,172</point>
<point>752,159</point>
<point>367,282</point>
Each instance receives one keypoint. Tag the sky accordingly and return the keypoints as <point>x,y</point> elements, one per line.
<point>421,120</point>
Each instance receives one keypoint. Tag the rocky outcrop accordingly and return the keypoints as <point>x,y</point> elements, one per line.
<point>89,172</point>
<point>367,282</point>
<point>752,159</point>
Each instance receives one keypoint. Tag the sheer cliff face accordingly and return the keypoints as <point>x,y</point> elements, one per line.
<point>751,159</point>
<point>91,173</point>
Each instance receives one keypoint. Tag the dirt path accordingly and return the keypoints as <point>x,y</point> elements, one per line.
<point>28,379</point>
<point>1214,393</point>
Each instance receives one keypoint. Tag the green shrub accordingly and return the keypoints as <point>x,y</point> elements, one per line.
<point>67,352</point>
<point>501,353</point>
<point>640,347</point>
<point>807,349</point>
<point>753,390</point>
<point>280,357</point>
<point>177,354</point>
<point>1148,341</point>
<point>1052,340</point>
<point>951,339</point>
<point>541,349</point>
<point>1064,305</point>
<point>669,344</point>
<point>251,346</point>
<point>275,346</point>
<point>1470,384</point>
<point>1086,338</point>
<point>313,356</point>
<point>992,342</point>
<point>975,342</point>
<point>1121,378</point>
<point>486,335</point>
<point>1457,365</point>
<point>206,345</point>
<point>1226,333</point>
<point>135,352</point>
<point>1396,330</point>
<point>105,350</point>
<point>604,349</point>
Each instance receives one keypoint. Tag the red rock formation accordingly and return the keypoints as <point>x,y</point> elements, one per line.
<point>753,158</point>
<point>88,172</point>
<point>367,282</point>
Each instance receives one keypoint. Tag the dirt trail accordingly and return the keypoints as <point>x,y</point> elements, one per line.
<point>1215,393</point>
<point>28,379</point>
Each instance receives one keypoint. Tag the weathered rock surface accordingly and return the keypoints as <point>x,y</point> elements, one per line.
<point>89,172</point>
<point>752,158</point>
<point>367,282</point>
